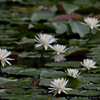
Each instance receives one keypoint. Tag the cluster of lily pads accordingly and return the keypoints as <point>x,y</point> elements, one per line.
<point>45,40</point>
<point>58,85</point>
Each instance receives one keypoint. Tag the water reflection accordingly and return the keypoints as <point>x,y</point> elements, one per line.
<point>34,62</point>
<point>58,58</point>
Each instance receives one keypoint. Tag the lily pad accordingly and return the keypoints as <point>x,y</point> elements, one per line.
<point>79,99</point>
<point>66,17</point>
<point>16,91</point>
<point>52,74</point>
<point>68,8</point>
<point>43,15</point>
<point>65,65</point>
<point>30,71</point>
<point>92,87</point>
<point>12,70</point>
<point>59,27</point>
<point>77,27</point>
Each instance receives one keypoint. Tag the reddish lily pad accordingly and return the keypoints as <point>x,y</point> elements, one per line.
<point>97,16</point>
<point>66,17</point>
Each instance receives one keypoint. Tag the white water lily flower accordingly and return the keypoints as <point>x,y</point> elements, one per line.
<point>88,63</point>
<point>58,85</point>
<point>73,73</point>
<point>58,58</point>
<point>92,22</point>
<point>3,55</point>
<point>59,48</point>
<point>45,40</point>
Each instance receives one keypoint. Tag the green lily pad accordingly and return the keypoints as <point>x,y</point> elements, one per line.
<point>30,72</point>
<point>69,8</point>
<point>77,27</point>
<point>78,41</point>
<point>6,81</point>
<point>25,41</point>
<point>16,91</point>
<point>79,98</point>
<point>3,94</point>
<point>86,78</point>
<point>74,83</point>
<point>76,51</point>
<point>89,93</point>
<point>47,97</point>
<point>52,74</point>
<point>45,82</point>
<point>43,15</point>
<point>12,70</point>
<point>84,93</point>
<point>18,97</point>
<point>95,39</point>
<point>72,64</point>
<point>59,27</point>
<point>92,86</point>
<point>28,55</point>
<point>36,91</point>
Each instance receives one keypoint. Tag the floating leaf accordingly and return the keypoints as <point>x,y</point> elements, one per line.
<point>68,8</point>
<point>35,91</point>
<point>78,41</point>
<point>43,15</point>
<point>19,97</point>
<point>12,70</point>
<point>66,17</point>
<point>77,27</point>
<point>4,94</point>
<point>6,81</point>
<point>76,51</point>
<point>95,39</point>
<point>28,55</point>
<point>16,91</point>
<point>92,86</point>
<point>25,82</point>
<point>86,78</point>
<point>30,72</point>
<point>83,98</point>
<point>60,28</point>
<point>74,83</point>
<point>84,93</point>
<point>52,74</point>
<point>45,82</point>
<point>67,64</point>
<point>89,93</point>
<point>25,40</point>
<point>88,10</point>
<point>44,27</point>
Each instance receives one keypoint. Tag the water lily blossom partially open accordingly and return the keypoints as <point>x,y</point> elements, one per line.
<point>3,57</point>
<point>58,86</point>
<point>59,48</point>
<point>88,63</point>
<point>45,40</point>
<point>92,22</point>
<point>73,73</point>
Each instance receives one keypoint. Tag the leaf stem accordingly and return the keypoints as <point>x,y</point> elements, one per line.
<point>42,53</point>
<point>90,34</point>
<point>0,70</point>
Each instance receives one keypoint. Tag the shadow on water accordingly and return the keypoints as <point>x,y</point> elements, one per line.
<point>34,62</point>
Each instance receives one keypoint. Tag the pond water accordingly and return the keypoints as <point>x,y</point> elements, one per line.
<point>29,75</point>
